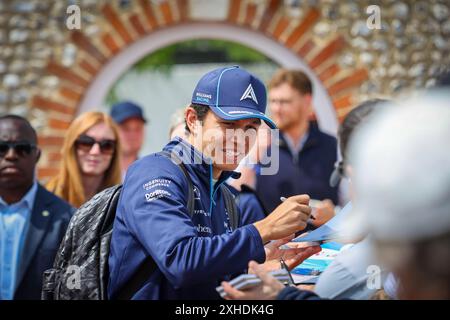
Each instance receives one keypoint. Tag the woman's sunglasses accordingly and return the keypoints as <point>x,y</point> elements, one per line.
<point>85,143</point>
<point>21,148</point>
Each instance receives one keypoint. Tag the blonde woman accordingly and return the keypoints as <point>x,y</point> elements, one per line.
<point>90,159</point>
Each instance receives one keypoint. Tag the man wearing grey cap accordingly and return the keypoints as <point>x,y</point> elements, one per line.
<point>131,121</point>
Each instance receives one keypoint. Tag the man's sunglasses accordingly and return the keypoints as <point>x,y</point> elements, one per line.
<point>85,143</point>
<point>21,148</point>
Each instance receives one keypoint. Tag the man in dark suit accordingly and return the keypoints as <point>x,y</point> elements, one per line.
<point>32,220</point>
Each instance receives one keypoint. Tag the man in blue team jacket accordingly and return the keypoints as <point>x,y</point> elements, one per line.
<point>193,255</point>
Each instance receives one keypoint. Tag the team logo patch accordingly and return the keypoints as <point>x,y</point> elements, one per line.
<point>157,194</point>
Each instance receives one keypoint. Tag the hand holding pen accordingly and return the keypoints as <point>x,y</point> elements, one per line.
<point>284,199</point>
<point>288,218</point>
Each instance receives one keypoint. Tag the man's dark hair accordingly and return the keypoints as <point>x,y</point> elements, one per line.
<point>201,111</point>
<point>24,121</point>
<point>354,119</point>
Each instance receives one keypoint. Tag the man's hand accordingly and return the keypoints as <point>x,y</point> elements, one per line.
<point>273,250</point>
<point>289,217</point>
<point>292,257</point>
<point>285,249</point>
<point>323,213</point>
<point>267,290</point>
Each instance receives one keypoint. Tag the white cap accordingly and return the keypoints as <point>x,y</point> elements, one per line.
<point>402,171</point>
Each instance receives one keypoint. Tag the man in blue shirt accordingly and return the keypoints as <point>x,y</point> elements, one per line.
<point>32,220</point>
<point>194,254</point>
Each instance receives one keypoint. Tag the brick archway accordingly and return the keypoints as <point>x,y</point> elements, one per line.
<point>122,31</point>
<point>99,87</point>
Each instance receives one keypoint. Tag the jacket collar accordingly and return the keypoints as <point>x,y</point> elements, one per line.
<point>311,141</point>
<point>27,200</point>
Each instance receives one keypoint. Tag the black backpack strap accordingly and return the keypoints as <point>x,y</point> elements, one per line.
<point>181,165</point>
<point>108,221</point>
<point>230,205</point>
<point>148,266</point>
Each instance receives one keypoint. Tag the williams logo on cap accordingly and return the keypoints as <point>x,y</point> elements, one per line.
<point>249,94</point>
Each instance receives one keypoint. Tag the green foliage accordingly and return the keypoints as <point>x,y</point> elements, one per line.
<point>192,51</point>
<point>163,59</point>
<point>112,97</point>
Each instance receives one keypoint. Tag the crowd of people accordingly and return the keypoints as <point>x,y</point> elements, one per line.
<point>240,220</point>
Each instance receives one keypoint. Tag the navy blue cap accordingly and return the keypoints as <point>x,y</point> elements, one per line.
<point>233,93</point>
<point>125,110</point>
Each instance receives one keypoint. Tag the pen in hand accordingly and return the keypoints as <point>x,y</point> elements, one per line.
<point>285,246</point>
<point>284,266</point>
<point>283,199</point>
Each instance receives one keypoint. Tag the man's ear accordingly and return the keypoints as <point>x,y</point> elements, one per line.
<point>348,171</point>
<point>191,118</point>
<point>38,154</point>
<point>308,102</point>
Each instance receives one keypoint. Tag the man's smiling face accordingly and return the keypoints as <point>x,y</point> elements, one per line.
<point>227,142</point>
